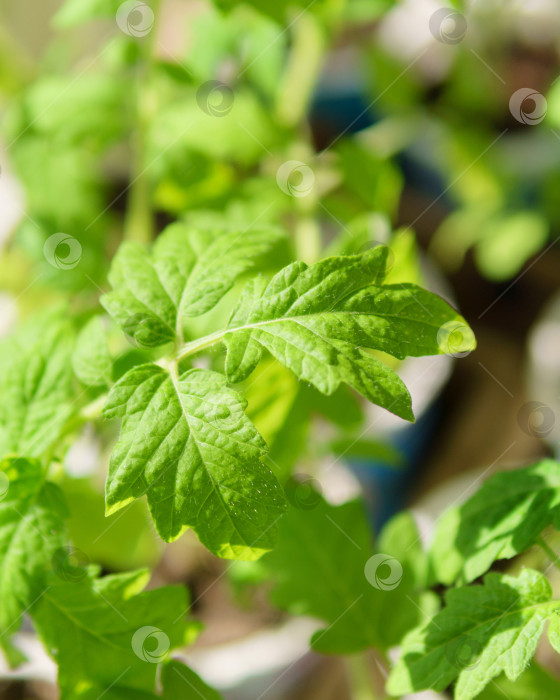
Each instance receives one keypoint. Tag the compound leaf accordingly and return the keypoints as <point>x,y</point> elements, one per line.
<point>187,444</point>
<point>201,469</point>
<point>482,631</point>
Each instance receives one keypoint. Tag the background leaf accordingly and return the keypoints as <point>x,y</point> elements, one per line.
<point>324,566</point>
<point>32,529</point>
<point>36,387</point>
<point>534,682</point>
<point>107,635</point>
<point>91,358</point>
<point>179,681</point>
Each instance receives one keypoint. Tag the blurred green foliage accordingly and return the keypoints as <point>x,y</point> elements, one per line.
<point>112,134</point>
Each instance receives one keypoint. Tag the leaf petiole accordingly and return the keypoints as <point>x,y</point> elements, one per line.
<point>199,344</point>
<point>361,680</point>
<point>548,551</point>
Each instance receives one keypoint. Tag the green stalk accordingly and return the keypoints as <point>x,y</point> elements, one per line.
<point>309,43</point>
<point>361,681</point>
<point>86,414</point>
<point>138,224</point>
<point>302,71</point>
<point>308,240</point>
<point>549,551</point>
<point>139,220</point>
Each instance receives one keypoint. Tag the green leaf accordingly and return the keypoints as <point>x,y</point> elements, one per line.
<point>367,450</point>
<point>367,10</point>
<point>120,543</point>
<point>187,444</point>
<point>534,684</point>
<point>91,108</point>
<point>182,683</point>
<point>405,259</point>
<point>107,636</point>
<point>503,241</point>
<point>292,438</point>
<point>186,275</point>
<point>319,321</point>
<point>278,11</point>
<point>482,631</point>
<point>32,514</point>
<point>324,566</point>
<point>237,130</point>
<point>554,633</point>
<point>401,541</point>
<point>400,538</point>
<point>179,683</point>
<point>366,231</point>
<point>36,388</point>
<point>255,44</point>
<point>293,407</point>
<point>501,520</point>
<point>510,241</point>
<point>371,179</point>
<point>62,186</point>
<point>91,359</point>
<point>270,394</point>
<point>318,570</point>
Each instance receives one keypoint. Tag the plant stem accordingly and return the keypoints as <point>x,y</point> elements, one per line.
<point>362,687</point>
<point>139,224</point>
<point>206,341</point>
<point>303,68</point>
<point>93,410</point>
<point>199,344</point>
<point>549,551</point>
<point>88,413</point>
<point>308,240</point>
